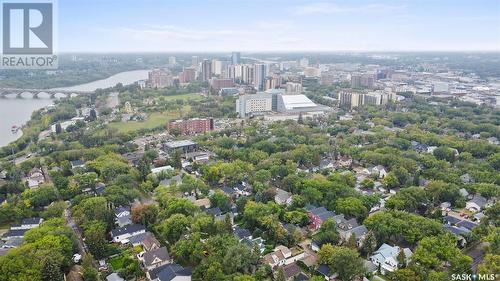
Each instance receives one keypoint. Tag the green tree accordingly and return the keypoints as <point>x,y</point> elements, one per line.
<point>404,274</point>
<point>352,207</point>
<point>342,260</point>
<point>95,237</point>
<point>173,228</point>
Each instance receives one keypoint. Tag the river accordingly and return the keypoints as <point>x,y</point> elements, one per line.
<point>17,112</point>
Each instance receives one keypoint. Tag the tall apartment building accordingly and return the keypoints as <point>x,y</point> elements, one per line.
<point>236,58</point>
<point>256,103</point>
<point>241,73</point>
<point>219,83</point>
<point>159,78</point>
<point>260,73</point>
<point>216,67</point>
<point>353,100</point>
<point>293,88</point>
<point>206,70</point>
<point>192,126</point>
<point>187,75</point>
<point>362,81</point>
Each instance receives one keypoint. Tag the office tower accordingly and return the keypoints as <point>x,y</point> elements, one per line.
<point>206,70</point>
<point>160,78</point>
<point>236,58</point>
<point>260,73</point>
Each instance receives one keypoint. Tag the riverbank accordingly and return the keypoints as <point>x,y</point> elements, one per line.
<point>17,112</point>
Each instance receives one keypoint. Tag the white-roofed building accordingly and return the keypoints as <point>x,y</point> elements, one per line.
<point>296,103</point>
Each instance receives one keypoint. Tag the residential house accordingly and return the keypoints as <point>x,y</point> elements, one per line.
<point>283,197</point>
<point>35,178</point>
<point>387,257</point>
<point>122,216</point>
<point>77,164</point>
<point>466,178</point>
<point>163,169</point>
<point>202,203</point>
<point>155,258</point>
<point>278,257</point>
<point>177,179</point>
<point>379,171</point>
<point>28,223</point>
<point>14,233</point>
<point>351,227</point>
<point>138,239</point>
<point>150,243</point>
<point>290,270</point>
<point>476,204</point>
<point>326,164</point>
<point>344,161</point>
<point>318,215</point>
<point>169,272</point>
<point>464,192</point>
<point>12,242</point>
<point>133,158</point>
<point>242,233</point>
<point>114,277</point>
<point>324,270</point>
<point>121,234</point>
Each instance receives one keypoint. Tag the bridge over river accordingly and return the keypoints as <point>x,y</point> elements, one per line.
<point>19,93</point>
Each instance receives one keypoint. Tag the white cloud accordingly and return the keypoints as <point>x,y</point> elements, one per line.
<point>173,32</point>
<point>333,8</point>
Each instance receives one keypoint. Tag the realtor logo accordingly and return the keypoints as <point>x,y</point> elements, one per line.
<point>28,35</point>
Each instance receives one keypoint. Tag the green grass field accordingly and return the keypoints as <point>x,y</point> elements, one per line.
<point>154,120</point>
<point>191,96</point>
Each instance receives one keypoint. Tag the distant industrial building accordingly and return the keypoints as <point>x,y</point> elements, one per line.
<point>192,126</point>
<point>159,78</point>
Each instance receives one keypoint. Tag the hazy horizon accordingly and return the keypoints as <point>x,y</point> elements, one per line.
<point>154,26</point>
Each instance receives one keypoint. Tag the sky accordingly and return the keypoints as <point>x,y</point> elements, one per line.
<point>277,25</point>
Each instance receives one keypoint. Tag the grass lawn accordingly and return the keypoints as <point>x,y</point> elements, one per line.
<point>192,96</point>
<point>154,120</point>
<point>116,262</point>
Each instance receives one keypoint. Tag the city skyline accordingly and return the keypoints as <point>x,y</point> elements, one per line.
<point>278,26</point>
